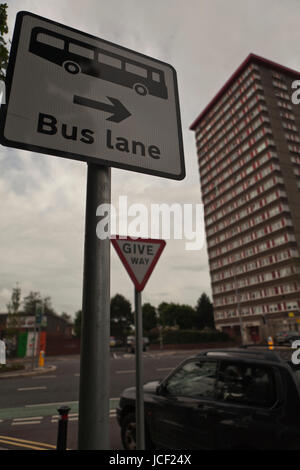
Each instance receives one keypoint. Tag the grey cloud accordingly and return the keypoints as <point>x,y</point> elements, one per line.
<point>43,198</point>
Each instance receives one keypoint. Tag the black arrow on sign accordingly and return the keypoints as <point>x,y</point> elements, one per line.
<point>117,108</point>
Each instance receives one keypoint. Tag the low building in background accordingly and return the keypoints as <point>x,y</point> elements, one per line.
<point>51,334</point>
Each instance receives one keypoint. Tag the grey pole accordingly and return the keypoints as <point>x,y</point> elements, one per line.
<point>139,406</point>
<point>34,339</point>
<point>93,426</point>
<point>237,294</point>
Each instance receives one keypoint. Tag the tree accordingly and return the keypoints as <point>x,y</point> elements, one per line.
<point>66,316</point>
<point>149,317</point>
<point>15,302</point>
<point>165,314</point>
<point>34,300</point>
<point>3,43</point>
<point>205,312</point>
<point>31,301</point>
<point>180,315</point>
<point>185,316</point>
<point>77,323</point>
<point>121,316</point>
<point>47,306</point>
<point>13,306</point>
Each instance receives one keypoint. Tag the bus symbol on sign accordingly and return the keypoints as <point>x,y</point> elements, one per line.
<point>77,96</point>
<point>79,57</point>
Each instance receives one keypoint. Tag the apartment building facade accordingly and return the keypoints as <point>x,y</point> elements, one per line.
<point>248,146</point>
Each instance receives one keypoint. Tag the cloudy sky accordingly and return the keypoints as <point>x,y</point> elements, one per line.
<point>42,207</point>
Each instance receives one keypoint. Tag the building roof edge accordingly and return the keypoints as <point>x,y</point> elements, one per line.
<point>250,58</point>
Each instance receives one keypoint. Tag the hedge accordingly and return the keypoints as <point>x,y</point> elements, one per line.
<point>194,336</point>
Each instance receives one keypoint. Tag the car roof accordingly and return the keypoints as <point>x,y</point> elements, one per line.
<point>247,353</point>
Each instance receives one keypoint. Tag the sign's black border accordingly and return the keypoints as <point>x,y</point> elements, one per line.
<point>79,157</point>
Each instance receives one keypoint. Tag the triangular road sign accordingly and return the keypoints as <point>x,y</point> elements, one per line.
<point>139,256</point>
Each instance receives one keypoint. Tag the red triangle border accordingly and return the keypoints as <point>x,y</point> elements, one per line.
<point>138,285</point>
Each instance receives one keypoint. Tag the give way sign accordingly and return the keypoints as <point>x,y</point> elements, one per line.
<point>139,256</point>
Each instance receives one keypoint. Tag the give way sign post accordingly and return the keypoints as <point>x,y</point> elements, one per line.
<point>139,257</point>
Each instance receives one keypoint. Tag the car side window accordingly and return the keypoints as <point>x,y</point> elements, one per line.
<point>195,379</point>
<point>246,384</point>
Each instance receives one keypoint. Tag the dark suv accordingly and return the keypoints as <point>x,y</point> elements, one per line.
<point>244,398</point>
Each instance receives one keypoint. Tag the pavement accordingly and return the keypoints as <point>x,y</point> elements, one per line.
<point>28,370</point>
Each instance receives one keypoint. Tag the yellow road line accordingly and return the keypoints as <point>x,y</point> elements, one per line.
<point>15,439</point>
<point>17,444</point>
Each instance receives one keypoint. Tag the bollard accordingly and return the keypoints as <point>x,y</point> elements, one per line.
<point>42,359</point>
<point>62,428</point>
<point>271,343</point>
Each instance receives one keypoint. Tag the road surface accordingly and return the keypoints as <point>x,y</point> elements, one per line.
<point>28,405</point>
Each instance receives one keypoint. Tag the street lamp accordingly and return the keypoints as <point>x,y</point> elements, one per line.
<point>237,295</point>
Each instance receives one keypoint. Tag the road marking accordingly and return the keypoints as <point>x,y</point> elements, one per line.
<point>15,440</point>
<point>25,389</point>
<point>52,404</point>
<point>22,421</point>
<point>27,419</point>
<point>124,371</point>
<point>74,416</point>
<point>71,417</point>
<point>44,377</point>
<point>12,443</point>
<point>25,422</point>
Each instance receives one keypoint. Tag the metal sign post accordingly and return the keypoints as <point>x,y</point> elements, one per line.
<point>93,431</point>
<point>139,404</point>
<point>34,338</point>
<point>39,311</point>
<point>139,257</point>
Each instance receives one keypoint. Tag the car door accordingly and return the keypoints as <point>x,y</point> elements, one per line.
<point>179,418</point>
<point>248,407</point>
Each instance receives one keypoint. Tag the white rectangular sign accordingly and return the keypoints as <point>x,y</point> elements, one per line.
<point>2,352</point>
<point>73,95</point>
<point>24,321</point>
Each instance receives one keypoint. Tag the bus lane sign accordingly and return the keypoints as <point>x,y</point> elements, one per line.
<point>74,95</point>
